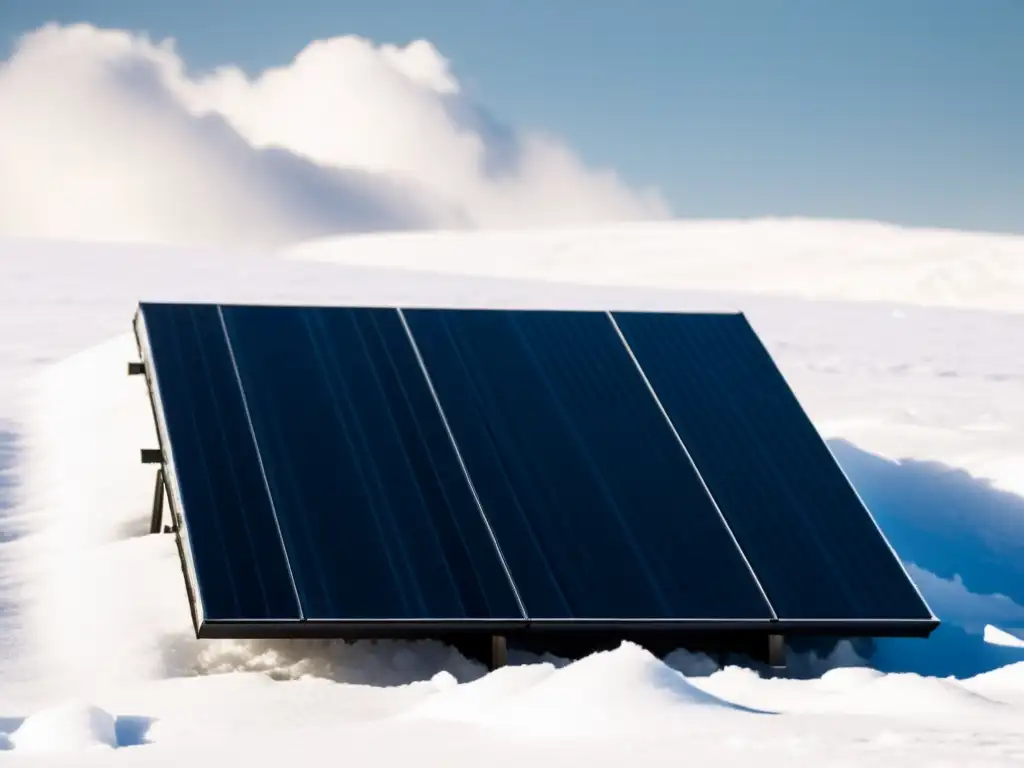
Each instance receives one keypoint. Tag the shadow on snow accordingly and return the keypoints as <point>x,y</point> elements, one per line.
<point>961,539</point>
<point>8,452</point>
<point>129,730</point>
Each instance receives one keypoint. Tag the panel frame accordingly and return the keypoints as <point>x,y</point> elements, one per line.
<point>173,495</point>
<point>344,629</point>
<point>418,628</point>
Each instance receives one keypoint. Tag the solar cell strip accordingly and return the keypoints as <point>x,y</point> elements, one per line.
<point>599,513</point>
<point>812,543</point>
<point>259,457</point>
<point>374,509</point>
<point>766,356</point>
<point>689,458</point>
<point>239,568</point>
<point>462,462</point>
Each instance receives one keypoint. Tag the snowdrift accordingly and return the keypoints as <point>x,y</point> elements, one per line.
<point>922,406</point>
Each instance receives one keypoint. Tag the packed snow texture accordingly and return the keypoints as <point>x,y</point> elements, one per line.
<point>923,405</point>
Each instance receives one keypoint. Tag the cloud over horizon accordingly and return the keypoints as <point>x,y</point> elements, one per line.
<point>104,135</point>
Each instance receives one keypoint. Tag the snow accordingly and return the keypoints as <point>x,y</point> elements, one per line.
<point>906,347</point>
<point>604,691</point>
<point>845,261</point>
<point>69,727</point>
<point>997,636</point>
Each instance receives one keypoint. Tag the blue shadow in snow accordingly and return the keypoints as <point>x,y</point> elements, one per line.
<point>132,730</point>
<point>945,521</point>
<point>129,730</point>
<point>8,725</point>
<point>8,454</point>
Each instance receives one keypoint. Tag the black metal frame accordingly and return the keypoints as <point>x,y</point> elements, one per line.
<point>776,651</point>
<point>157,518</point>
<point>162,488</point>
<point>352,629</point>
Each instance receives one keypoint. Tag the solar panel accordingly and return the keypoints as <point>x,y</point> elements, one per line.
<point>347,453</point>
<point>809,538</point>
<point>344,471</point>
<point>228,529</point>
<point>599,513</point>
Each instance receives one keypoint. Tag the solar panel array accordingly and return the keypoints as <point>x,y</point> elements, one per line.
<point>351,469</point>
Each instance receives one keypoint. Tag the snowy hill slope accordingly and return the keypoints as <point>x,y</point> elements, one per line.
<point>834,260</point>
<point>922,399</point>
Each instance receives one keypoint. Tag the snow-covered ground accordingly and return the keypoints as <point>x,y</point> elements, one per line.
<point>906,347</point>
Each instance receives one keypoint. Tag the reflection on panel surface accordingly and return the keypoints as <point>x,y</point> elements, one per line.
<point>810,540</point>
<point>377,467</point>
<point>594,503</point>
<point>240,564</point>
<point>376,514</point>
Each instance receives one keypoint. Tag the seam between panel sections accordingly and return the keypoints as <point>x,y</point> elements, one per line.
<point>259,458</point>
<point>846,477</point>
<point>462,463</point>
<point>686,451</point>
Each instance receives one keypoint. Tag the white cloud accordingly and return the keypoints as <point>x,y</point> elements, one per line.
<point>104,135</point>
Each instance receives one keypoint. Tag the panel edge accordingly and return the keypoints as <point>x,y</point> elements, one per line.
<point>899,561</point>
<point>174,500</point>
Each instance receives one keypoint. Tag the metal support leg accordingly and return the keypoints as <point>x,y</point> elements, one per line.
<point>158,503</point>
<point>776,651</point>
<point>499,651</point>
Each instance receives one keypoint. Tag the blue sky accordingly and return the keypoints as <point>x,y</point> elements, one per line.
<point>909,111</point>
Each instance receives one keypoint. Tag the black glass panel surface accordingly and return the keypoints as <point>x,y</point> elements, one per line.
<point>378,518</point>
<point>812,544</point>
<point>239,560</point>
<point>597,510</point>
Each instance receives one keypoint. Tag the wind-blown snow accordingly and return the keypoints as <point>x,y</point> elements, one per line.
<point>606,691</point>
<point>70,727</point>
<point>998,636</point>
<point>922,402</point>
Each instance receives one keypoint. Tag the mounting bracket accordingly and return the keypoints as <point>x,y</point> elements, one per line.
<point>156,519</point>
<point>776,651</point>
<point>499,651</point>
<point>152,456</point>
